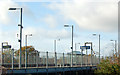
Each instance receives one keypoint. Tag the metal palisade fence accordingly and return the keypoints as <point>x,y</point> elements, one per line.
<point>46,60</point>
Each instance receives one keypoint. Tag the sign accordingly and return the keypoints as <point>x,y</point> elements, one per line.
<point>7,46</point>
<point>84,47</point>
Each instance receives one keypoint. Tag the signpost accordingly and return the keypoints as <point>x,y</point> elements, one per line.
<point>7,46</point>
<point>84,47</point>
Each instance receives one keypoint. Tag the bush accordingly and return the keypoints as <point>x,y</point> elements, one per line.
<point>108,67</point>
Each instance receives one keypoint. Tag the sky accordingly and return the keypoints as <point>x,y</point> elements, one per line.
<point>45,20</point>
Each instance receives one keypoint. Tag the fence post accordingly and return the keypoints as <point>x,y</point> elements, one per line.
<point>87,58</point>
<point>12,58</point>
<point>81,57</point>
<point>37,59</point>
<point>63,60</point>
<point>55,59</point>
<point>46,59</point>
<point>2,55</point>
<point>91,57</point>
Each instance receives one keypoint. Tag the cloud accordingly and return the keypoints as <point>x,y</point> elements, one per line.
<point>65,0</point>
<point>6,15</point>
<point>94,16</point>
<point>44,33</point>
<point>50,20</point>
<point>4,5</point>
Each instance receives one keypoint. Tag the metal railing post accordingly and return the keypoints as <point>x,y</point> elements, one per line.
<point>2,55</point>
<point>91,57</point>
<point>37,59</point>
<point>81,57</point>
<point>46,59</point>
<point>63,60</point>
<point>87,58</point>
<point>12,58</point>
<point>55,59</point>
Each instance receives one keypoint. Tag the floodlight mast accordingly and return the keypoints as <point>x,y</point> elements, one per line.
<point>72,44</point>
<point>20,33</point>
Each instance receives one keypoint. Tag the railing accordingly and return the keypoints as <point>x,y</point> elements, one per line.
<point>48,60</point>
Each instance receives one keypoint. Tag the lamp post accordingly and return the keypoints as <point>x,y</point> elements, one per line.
<point>20,40</point>
<point>26,49</point>
<point>55,60</point>
<point>99,44</point>
<point>115,46</point>
<point>72,43</point>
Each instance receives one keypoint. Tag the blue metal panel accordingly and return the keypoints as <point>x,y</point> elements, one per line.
<point>31,70</point>
<point>47,70</point>
<point>50,70</point>
<point>84,47</point>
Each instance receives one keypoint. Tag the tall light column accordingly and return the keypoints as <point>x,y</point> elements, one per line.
<point>72,43</point>
<point>26,49</point>
<point>20,40</point>
<point>55,60</point>
<point>99,44</point>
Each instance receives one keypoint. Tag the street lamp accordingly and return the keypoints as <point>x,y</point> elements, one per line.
<point>55,60</point>
<point>20,40</point>
<point>72,43</point>
<point>26,49</point>
<point>99,44</point>
<point>115,46</point>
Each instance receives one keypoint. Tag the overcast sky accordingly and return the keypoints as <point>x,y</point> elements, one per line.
<point>45,19</point>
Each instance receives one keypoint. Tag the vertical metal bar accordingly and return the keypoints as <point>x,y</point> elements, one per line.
<point>2,55</point>
<point>81,57</point>
<point>46,59</point>
<point>70,59</point>
<point>115,48</point>
<point>55,59</point>
<point>26,51</point>
<point>72,48</point>
<point>54,45</point>
<point>63,60</point>
<point>20,38</point>
<point>87,58</point>
<point>12,58</point>
<point>99,48</point>
<point>75,56</point>
<point>91,54</point>
<point>37,59</point>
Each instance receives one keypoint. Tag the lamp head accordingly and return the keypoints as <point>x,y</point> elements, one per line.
<point>94,34</point>
<point>111,40</point>
<point>12,9</point>
<point>66,25</point>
